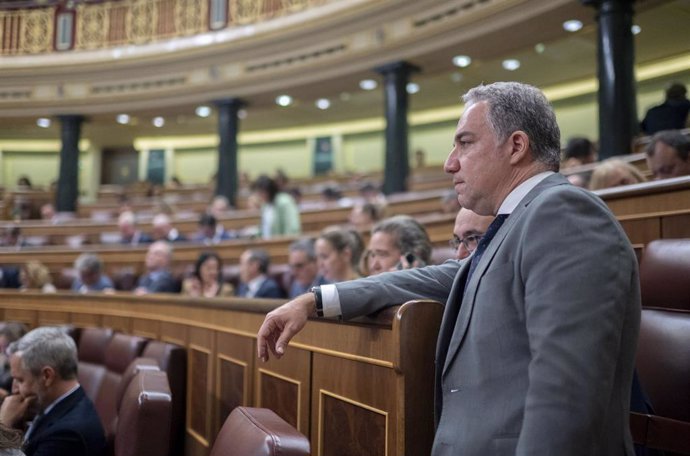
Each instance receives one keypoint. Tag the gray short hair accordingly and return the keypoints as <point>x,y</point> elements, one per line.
<point>515,106</point>
<point>47,346</point>
<point>409,236</point>
<point>88,262</point>
<point>672,138</point>
<point>305,245</point>
<point>262,257</point>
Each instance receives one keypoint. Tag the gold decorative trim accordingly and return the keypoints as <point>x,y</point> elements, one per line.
<point>270,373</point>
<point>323,392</point>
<point>244,365</point>
<point>203,440</point>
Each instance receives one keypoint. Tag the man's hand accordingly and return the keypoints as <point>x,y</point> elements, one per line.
<point>282,324</point>
<point>14,409</point>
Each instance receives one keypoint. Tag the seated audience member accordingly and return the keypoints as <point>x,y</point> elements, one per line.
<point>468,230</point>
<point>668,155</point>
<point>363,215</point>
<point>129,234</point>
<point>13,237</point>
<point>9,277</point>
<point>338,251</point>
<point>279,212</point>
<point>9,332</point>
<point>578,180</point>
<point>254,281</point>
<point>164,231</point>
<point>672,114</point>
<point>303,266</point>
<point>398,242</point>
<point>449,203</point>
<point>158,278</point>
<point>24,183</point>
<point>578,151</point>
<point>207,281</point>
<point>36,277</point>
<point>209,233</point>
<point>371,193</point>
<point>219,207</point>
<point>282,180</point>
<point>90,276</point>
<point>44,368</point>
<point>614,173</point>
<point>10,442</point>
<point>48,213</point>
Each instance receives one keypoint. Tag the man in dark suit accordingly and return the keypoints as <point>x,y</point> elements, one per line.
<point>254,281</point>
<point>44,369</point>
<point>536,348</point>
<point>158,278</point>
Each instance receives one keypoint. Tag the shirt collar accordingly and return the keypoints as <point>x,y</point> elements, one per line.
<point>254,285</point>
<point>60,399</point>
<point>513,199</point>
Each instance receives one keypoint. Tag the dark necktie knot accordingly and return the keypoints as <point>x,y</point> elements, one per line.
<point>484,242</point>
<point>490,233</point>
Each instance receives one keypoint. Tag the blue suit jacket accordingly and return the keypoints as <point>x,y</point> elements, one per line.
<point>72,428</point>
<point>268,289</point>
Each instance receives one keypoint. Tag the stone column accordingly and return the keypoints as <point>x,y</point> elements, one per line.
<point>68,180</point>
<point>228,127</point>
<point>396,166</point>
<point>618,122</point>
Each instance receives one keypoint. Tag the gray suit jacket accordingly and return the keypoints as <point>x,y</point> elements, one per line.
<point>539,359</point>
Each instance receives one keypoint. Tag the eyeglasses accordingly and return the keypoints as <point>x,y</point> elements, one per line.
<point>470,242</point>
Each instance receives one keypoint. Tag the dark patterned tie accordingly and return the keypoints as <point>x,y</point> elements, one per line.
<point>484,243</point>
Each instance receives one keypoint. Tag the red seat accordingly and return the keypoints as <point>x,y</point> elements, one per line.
<point>258,432</point>
<point>663,355</point>
<point>143,428</point>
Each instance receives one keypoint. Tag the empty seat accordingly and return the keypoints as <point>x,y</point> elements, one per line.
<point>258,432</point>
<point>172,359</point>
<point>91,354</point>
<point>144,425</point>
<point>663,355</point>
<point>121,351</point>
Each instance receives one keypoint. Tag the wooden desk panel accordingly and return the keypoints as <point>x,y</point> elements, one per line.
<point>360,372</point>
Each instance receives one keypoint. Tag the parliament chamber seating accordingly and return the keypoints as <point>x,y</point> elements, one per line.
<point>258,432</point>
<point>108,362</point>
<point>145,413</point>
<point>663,356</point>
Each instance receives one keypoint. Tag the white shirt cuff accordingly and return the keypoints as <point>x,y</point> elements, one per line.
<point>330,301</point>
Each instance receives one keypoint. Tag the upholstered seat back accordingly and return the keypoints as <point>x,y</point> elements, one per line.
<point>144,416</point>
<point>663,361</point>
<point>258,432</point>
<point>121,351</point>
<point>172,359</point>
<point>665,274</point>
<point>91,354</point>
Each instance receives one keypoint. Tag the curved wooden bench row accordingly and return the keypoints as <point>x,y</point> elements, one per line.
<point>380,402</point>
<point>414,203</point>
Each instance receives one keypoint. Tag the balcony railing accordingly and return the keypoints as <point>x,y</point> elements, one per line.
<point>88,26</point>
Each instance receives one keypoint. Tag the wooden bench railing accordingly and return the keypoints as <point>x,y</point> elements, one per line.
<point>363,387</point>
<point>649,211</point>
<point>413,203</point>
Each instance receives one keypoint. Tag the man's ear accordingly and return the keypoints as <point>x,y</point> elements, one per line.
<point>519,145</point>
<point>48,375</point>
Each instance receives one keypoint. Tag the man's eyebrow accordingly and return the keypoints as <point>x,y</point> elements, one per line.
<point>462,134</point>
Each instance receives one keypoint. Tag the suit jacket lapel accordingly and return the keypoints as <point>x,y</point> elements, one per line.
<point>55,414</point>
<point>450,313</point>
<point>468,299</point>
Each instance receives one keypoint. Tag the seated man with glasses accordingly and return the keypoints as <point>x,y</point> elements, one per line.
<point>468,231</point>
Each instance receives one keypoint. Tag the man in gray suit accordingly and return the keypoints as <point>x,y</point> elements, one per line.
<point>536,348</point>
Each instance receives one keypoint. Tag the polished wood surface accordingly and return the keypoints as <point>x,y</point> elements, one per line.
<point>366,384</point>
